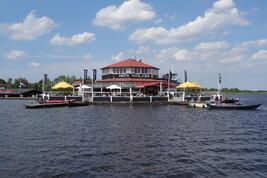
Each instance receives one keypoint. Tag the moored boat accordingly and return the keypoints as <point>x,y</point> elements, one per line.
<point>233,106</point>
<point>198,104</point>
<point>78,103</point>
<point>55,101</point>
<point>46,105</point>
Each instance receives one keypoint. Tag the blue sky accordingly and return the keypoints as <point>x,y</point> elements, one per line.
<point>204,37</point>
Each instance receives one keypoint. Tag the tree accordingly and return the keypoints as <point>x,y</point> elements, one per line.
<point>68,79</point>
<point>9,82</point>
<point>2,83</point>
<point>20,83</point>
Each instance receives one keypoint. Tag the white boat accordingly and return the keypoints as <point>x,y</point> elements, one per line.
<point>198,104</point>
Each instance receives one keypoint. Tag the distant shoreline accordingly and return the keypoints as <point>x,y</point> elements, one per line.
<point>246,92</point>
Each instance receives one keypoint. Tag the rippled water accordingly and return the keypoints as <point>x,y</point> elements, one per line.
<point>132,141</point>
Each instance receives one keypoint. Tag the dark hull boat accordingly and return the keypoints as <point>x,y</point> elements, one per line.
<point>234,106</point>
<point>230,100</point>
<point>78,103</point>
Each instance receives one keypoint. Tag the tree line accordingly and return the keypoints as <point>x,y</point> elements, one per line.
<point>24,83</point>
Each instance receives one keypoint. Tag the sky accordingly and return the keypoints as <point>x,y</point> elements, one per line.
<point>203,37</point>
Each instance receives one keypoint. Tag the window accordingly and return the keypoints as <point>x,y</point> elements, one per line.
<point>143,71</point>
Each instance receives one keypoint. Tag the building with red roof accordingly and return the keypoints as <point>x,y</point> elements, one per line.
<point>132,73</point>
<point>130,68</point>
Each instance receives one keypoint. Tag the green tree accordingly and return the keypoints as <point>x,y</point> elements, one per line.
<point>2,83</point>
<point>20,83</point>
<point>9,83</point>
<point>68,79</point>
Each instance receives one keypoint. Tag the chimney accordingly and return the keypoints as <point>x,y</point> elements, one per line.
<point>140,60</point>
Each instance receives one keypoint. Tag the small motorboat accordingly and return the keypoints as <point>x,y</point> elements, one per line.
<point>198,104</point>
<point>46,105</point>
<point>49,104</point>
<point>230,100</point>
<point>233,106</point>
<point>55,101</point>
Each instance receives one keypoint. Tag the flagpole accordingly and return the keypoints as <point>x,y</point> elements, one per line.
<point>219,84</point>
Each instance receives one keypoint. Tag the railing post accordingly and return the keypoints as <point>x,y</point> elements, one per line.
<point>131,98</point>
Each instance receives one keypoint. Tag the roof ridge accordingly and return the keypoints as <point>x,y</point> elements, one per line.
<point>130,63</point>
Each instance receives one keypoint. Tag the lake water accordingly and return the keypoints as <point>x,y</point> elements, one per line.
<point>133,141</point>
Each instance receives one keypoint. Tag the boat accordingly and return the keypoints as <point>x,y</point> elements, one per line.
<point>233,106</point>
<point>56,101</point>
<point>46,105</point>
<point>230,100</point>
<point>49,104</point>
<point>78,103</point>
<point>198,104</point>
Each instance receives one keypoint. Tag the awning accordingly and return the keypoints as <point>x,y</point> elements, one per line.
<point>83,87</point>
<point>112,87</point>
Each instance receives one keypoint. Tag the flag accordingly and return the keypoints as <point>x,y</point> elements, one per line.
<point>219,78</point>
<point>185,76</point>
<point>94,74</point>
<point>170,75</point>
<point>22,85</point>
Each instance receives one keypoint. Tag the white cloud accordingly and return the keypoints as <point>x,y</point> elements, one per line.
<point>16,54</point>
<point>223,14</point>
<point>87,56</point>
<point>182,55</point>
<point>74,40</point>
<point>34,64</point>
<point>31,27</point>
<point>129,11</point>
<point>120,56</point>
<point>143,50</point>
<point>253,43</point>
<point>166,54</point>
<point>174,54</point>
<point>216,51</point>
<point>261,54</point>
<point>218,45</point>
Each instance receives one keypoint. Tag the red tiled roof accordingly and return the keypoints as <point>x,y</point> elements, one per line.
<point>130,63</point>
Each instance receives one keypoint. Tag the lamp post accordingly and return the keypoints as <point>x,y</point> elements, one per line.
<point>93,79</point>
<point>43,85</point>
<point>169,79</point>
<point>160,88</point>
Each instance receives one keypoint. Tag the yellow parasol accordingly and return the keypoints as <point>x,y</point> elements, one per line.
<point>62,85</point>
<point>190,85</point>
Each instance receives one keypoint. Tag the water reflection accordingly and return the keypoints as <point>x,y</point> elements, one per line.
<point>132,141</point>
